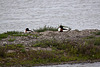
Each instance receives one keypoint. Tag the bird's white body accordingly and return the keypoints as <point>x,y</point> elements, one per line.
<point>65,29</point>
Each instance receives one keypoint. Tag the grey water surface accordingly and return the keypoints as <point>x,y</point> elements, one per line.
<point>16,15</point>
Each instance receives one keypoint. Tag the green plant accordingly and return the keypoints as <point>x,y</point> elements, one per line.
<point>97,41</point>
<point>90,37</point>
<point>11,40</point>
<point>45,43</point>
<point>12,32</point>
<point>3,51</point>
<point>98,33</point>
<point>45,28</point>
<point>12,55</point>
<point>23,50</point>
<point>35,36</point>
<point>20,34</point>
<point>3,36</point>
<point>20,45</point>
<point>10,47</point>
<point>13,46</point>
<point>77,30</point>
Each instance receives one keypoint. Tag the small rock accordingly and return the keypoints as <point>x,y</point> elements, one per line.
<point>10,51</point>
<point>34,49</point>
<point>4,42</point>
<point>49,49</point>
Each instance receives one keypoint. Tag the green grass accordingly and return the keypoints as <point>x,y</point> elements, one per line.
<point>90,37</point>
<point>3,36</point>
<point>3,51</point>
<point>45,28</point>
<point>12,32</point>
<point>11,40</point>
<point>20,45</point>
<point>50,43</point>
<point>97,41</point>
<point>84,49</point>
<point>14,47</point>
<point>15,33</point>
<point>62,52</point>
<point>20,34</point>
<point>94,40</point>
<point>98,33</point>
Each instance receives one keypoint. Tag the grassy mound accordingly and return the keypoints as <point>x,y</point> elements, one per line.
<point>61,52</point>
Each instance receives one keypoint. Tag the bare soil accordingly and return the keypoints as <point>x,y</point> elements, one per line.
<point>48,35</point>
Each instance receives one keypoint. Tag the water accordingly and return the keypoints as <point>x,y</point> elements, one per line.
<point>97,64</point>
<point>77,14</point>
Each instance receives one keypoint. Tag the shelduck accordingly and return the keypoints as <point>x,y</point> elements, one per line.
<point>27,30</point>
<point>63,28</point>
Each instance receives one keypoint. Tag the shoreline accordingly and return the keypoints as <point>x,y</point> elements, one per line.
<point>60,63</point>
<point>70,62</point>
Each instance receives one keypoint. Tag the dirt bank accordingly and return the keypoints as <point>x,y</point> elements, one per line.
<point>48,35</point>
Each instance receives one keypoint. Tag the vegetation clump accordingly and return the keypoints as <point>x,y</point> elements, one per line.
<point>90,37</point>
<point>3,51</point>
<point>11,40</point>
<point>5,35</point>
<point>45,28</point>
<point>98,33</point>
<point>97,41</point>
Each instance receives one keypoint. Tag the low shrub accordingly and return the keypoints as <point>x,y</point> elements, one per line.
<point>3,51</point>
<point>97,41</point>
